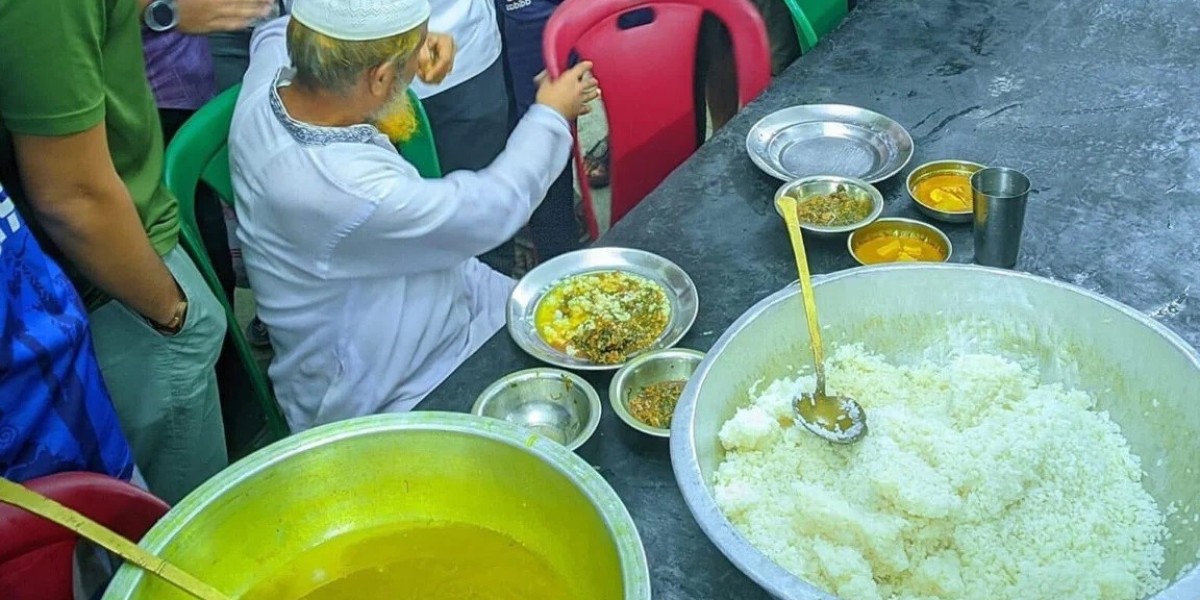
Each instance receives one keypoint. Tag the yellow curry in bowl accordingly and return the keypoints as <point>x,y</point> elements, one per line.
<point>942,189</point>
<point>899,240</point>
<point>433,561</point>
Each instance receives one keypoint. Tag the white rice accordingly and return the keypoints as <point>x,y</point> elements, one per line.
<point>974,483</point>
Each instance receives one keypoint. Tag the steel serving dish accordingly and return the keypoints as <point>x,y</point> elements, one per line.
<point>829,139</point>
<point>257,515</point>
<point>680,290</point>
<point>648,369</point>
<point>556,404</point>
<point>826,185</point>
<point>942,167</point>
<point>1125,359</point>
<point>899,226</point>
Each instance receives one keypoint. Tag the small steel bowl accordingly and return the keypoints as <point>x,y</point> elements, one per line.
<point>555,404</point>
<point>645,370</point>
<point>941,167</point>
<point>826,185</point>
<point>903,227</point>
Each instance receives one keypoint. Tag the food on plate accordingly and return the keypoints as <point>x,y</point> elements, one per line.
<point>603,317</point>
<point>833,210</point>
<point>947,192</point>
<point>655,404</point>
<point>977,482</point>
<point>898,247</point>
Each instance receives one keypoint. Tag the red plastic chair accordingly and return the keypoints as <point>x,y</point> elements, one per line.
<point>36,555</point>
<point>644,55</point>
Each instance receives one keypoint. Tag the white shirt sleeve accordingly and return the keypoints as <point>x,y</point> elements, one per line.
<point>412,225</point>
<point>268,52</point>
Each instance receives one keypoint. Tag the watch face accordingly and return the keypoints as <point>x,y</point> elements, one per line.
<point>160,15</point>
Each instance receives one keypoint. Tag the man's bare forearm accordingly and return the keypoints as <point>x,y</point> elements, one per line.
<point>106,242</point>
<point>87,212</point>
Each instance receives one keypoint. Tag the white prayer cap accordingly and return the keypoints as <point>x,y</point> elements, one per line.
<point>361,20</point>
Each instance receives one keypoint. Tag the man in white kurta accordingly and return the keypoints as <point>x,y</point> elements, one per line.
<point>363,272</point>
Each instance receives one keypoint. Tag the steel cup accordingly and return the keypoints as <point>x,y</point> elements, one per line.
<point>1000,195</point>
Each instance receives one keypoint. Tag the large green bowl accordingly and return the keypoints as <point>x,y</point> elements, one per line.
<point>252,519</point>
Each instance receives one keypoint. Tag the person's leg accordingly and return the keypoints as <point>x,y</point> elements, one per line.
<point>242,415</point>
<point>165,388</point>
<point>718,72</point>
<point>781,33</point>
<point>553,227</point>
<point>470,121</point>
<point>231,57</point>
<point>210,218</point>
<point>718,68</point>
<point>470,127</point>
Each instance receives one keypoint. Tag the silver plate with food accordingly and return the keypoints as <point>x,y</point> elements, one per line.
<point>595,309</point>
<point>829,139</point>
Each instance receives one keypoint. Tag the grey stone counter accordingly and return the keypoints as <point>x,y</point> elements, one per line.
<point>1097,100</point>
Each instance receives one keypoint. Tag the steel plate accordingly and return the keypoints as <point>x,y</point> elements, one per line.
<point>681,292</point>
<point>829,139</point>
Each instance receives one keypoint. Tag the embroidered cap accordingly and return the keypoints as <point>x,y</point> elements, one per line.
<point>361,20</point>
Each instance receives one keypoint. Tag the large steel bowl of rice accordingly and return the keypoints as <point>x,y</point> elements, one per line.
<point>1028,440</point>
<point>428,505</point>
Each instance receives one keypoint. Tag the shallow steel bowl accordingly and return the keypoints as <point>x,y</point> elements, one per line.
<point>942,167</point>
<point>829,139</point>
<point>902,227</point>
<point>825,185</point>
<point>553,403</point>
<point>649,369</point>
<point>523,302</point>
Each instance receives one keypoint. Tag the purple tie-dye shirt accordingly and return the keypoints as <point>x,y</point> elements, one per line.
<point>179,68</point>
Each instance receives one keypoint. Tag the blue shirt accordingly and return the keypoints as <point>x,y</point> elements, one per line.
<point>55,413</point>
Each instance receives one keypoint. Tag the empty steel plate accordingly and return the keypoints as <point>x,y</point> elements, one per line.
<point>829,139</point>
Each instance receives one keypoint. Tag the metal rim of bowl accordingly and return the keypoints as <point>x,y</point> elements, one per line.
<point>872,191</point>
<point>622,527</point>
<point>618,382</point>
<point>539,349</point>
<point>951,217</point>
<point>589,390</point>
<point>941,235</point>
<point>770,170</point>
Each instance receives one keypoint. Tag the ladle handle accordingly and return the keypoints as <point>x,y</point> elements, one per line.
<point>24,498</point>
<point>787,206</point>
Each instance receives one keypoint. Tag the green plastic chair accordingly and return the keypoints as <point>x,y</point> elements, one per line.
<point>200,152</point>
<point>814,19</point>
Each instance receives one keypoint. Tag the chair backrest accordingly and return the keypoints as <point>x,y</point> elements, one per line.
<point>814,19</point>
<point>644,55</point>
<point>200,152</point>
<point>36,554</point>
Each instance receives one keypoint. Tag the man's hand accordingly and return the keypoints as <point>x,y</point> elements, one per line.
<point>199,17</point>
<point>85,208</point>
<point>571,93</point>
<point>436,58</point>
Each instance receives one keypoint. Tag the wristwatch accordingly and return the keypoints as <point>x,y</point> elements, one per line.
<point>161,15</point>
<point>173,326</point>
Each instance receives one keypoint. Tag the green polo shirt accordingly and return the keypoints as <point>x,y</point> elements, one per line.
<point>67,66</point>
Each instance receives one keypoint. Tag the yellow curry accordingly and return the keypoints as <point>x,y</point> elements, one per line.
<point>947,192</point>
<point>896,247</point>
<point>446,561</point>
